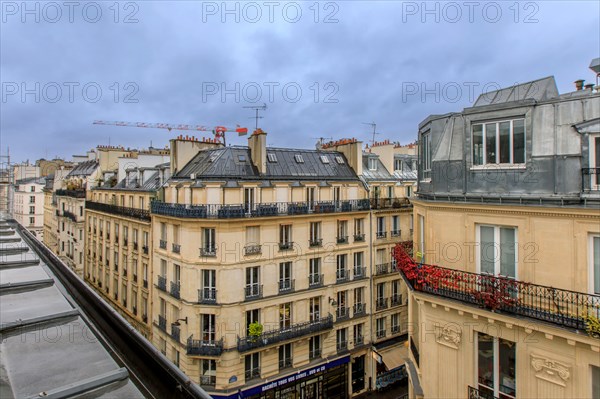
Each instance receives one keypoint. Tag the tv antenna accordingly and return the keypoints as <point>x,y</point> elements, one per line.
<point>321,140</point>
<point>257,108</point>
<point>374,126</point>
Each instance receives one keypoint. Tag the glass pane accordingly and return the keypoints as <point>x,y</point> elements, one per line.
<point>596,261</point>
<point>478,145</point>
<point>507,252</point>
<point>490,142</point>
<point>485,361</point>
<point>595,382</point>
<point>519,141</point>
<point>506,363</point>
<point>505,142</point>
<point>487,249</point>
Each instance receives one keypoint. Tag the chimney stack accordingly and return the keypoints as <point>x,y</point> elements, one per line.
<point>579,84</point>
<point>257,142</point>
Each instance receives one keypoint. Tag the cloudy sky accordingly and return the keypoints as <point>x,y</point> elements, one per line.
<point>322,68</point>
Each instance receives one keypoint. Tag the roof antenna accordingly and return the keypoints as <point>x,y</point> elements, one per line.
<point>257,108</point>
<point>321,141</point>
<point>374,126</point>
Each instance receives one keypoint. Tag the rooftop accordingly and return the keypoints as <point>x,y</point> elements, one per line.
<point>83,168</point>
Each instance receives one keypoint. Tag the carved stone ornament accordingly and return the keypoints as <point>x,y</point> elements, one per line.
<point>448,335</point>
<point>551,370</point>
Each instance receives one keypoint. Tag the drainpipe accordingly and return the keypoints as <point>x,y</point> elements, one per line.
<point>372,379</point>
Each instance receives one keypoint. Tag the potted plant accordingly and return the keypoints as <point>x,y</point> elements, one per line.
<point>592,325</point>
<point>255,330</point>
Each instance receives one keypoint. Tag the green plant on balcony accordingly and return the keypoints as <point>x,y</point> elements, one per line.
<point>592,325</point>
<point>255,330</point>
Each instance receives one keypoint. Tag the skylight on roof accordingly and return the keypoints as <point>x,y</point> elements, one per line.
<point>324,159</point>
<point>339,159</point>
<point>242,158</point>
<point>298,158</point>
<point>272,157</point>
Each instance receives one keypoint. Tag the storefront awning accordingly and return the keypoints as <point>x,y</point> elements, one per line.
<point>394,356</point>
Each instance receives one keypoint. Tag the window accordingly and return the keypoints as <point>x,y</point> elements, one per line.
<point>337,194</point>
<point>380,226</point>
<point>252,366</point>
<point>380,327</point>
<point>209,285</point>
<point>298,158</point>
<point>398,164</point>
<point>208,241</point>
<point>252,236</point>
<point>314,307</point>
<point>342,231</point>
<point>595,264</point>
<point>341,271</point>
<point>342,339</point>
<point>314,347</point>
<point>116,232</point>
<point>176,274</point>
<point>285,356</point>
<point>497,251</point>
<point>358,334</point>
<point>339,159</point>
<point>390,192</point>
<point>163,268</point>
<point>395,225</point>
<point>311,195</point>
<point>32,220</point>
<point>32,210</point>
<point>395,323</point>
<point>285,315</point>
<point>380,291</point>
<point>426,155</point>
<point>324,159</point>
<point>253,282</point>
<point>163,231</point>
<point>501,142</point>
<point>81,211</point>
<point>125,235</point>
<point>409,191</point>
<point>208,326</point>
<point>208,372</point>
<point>252,316</point>
<point>241,158</point>
<point>358,264</point>
<point>496,367</point>
<point>135,236</point>
<point>358,227</point>
<point>32,199</point>
<point>285,277</point>
<point>32,189</point>
<point>285,234</point>
<point>271,157</point>
<point>314,271</point>
<point>175,234</point>
<point>372,163</point>
<point>249,199</point>
<point>342,304</point>
<point>315,232</point>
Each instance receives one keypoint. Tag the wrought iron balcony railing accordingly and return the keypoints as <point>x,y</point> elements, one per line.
<point>360,272</point>
<point>218,211</point>
<point>342,275</point>
<point>314,353</point>
<point>175,290</point>
<point>162,323</point>
<point>71,193</point>
<point>252,373</point>
<point>176,248</point>
<point>162,244</point>
<point>315,242</point>
<point>359,237</point>
<point>381,303</point>
<point>382,268</point>
<point>161,283</point>
<point>381,234</point>
<point>342,239</point>
<point>286,246</point>
<point>359,309</point>
<point>253,291</point>
<point>380,334</point>
<point>294,331</point>
<point>286,286</point>
<point>395,233</point>
<point>386,203</point>
<point>207,295</point>
<point>570,309</point>
<point>396,300</point>
<point>342,313</point>
<point>208,251</point>
<point>475,393</point>
<point>285,363</point>
<point>200,347</point>
<point>341,346</point>
<point>359,340</point>
<point>175,332</point>
<point>252,250</point>
<point>208,380</point>
<point>134,213</point>
<point>70,215</point>
<point>315,280</point>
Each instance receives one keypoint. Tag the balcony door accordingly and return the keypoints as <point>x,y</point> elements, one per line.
<point>497,251</point>
<point>496,367</point>
<point>249,199</point>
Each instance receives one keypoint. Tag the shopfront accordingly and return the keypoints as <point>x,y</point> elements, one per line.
<point>328,381</point>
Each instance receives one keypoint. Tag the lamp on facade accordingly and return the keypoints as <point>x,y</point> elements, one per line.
<point>176,322</point>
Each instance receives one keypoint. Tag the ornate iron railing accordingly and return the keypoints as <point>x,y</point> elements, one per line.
<point>161,283</point>
<point>275,336</point>
<point>200,347</point>
<point>207,295</point>
<point>219,211</point>
<point>570,309</point>
<point>71,193</point>
<point>135,213</point>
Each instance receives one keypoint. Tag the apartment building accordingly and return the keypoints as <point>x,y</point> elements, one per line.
<point>51,225</point>
<point>504,296</point>
<point>261,264</point>
<point>118,236</point>
<point>29,204</point>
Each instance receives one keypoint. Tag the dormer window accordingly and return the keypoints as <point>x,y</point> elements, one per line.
<point>242,158</point>
<point>272,157</point>
<point>339,159</point>
<point>324,159</point>
<point>372,163</point>
<point>299,158</point>
<point>501,142</point>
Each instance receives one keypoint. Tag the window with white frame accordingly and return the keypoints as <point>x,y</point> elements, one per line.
<point>500,142</point>
<point>594,151</point>
<point>426,155</point>
<point>497,250</point>
<point>595,264</point>
<point>285,315</point>
<point>372,163</point>
<point>314,306</point>
<point>496,367</point>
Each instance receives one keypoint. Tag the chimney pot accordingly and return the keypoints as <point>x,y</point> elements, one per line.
<point>589,86</point>
<point>579,84</point>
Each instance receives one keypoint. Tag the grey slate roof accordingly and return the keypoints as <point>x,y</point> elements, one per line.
<point>407,173</point>
<point>539,90</point>
<point>83,169</point>
<point>234,163</point>
<point>34,180</point>
<point>379,174</point>
<point>151,184</point>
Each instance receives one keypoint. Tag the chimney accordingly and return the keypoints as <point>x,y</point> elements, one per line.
<point>352,149</point>
<point>589,86</point>
<point>257,142</point>
<point>579,84</point>
<point>183,149</point>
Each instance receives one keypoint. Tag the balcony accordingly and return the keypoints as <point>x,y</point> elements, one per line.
<point>208,380</point>
<point>341,346</point>
<point>381,303</point>
<point>145,249</point>
<point>382,268</point>
<point>286,286</point>
<point>197,347</point>
<point>162,323</point>
<point>252,250</point>
<point>162,283</point>
<point>342,313</point>
<point>162,244</point>
<point>590,180</point>
<point>396,300</point>
<point>286,246</point>
<point>218,211</point>
<point>475,393</point>
<point>380,334</point>
<point>315,280</point>
<point>175,289</point>
<point>135,213</point>
<point>341,276</point>
<point>359,340</point>
<point>253,292</point>
<point>395,233</point>
<point>342,240</point>
<point>359,237</point>
<point>360,272</point>
<point>315,242</point>
<point>314,353</point>
<point>395,329</point>
<point>175,332</point>
<point>359,309</point>
<point>380,235</point>
<point>387,203</point>
<point>210,252</point>
<point>285,363</point>
<point>292,332</point>
<point>568,309</point>
<point>207,296</point>
<point>71,193</point>
<point>70,215</point>
<point>176,248</point>
<point>252,373</point>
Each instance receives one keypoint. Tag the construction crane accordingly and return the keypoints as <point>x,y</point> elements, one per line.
<point>218,131</point>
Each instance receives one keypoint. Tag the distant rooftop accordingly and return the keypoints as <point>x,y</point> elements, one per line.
<point>538,90</point>
<point>83,169</point>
